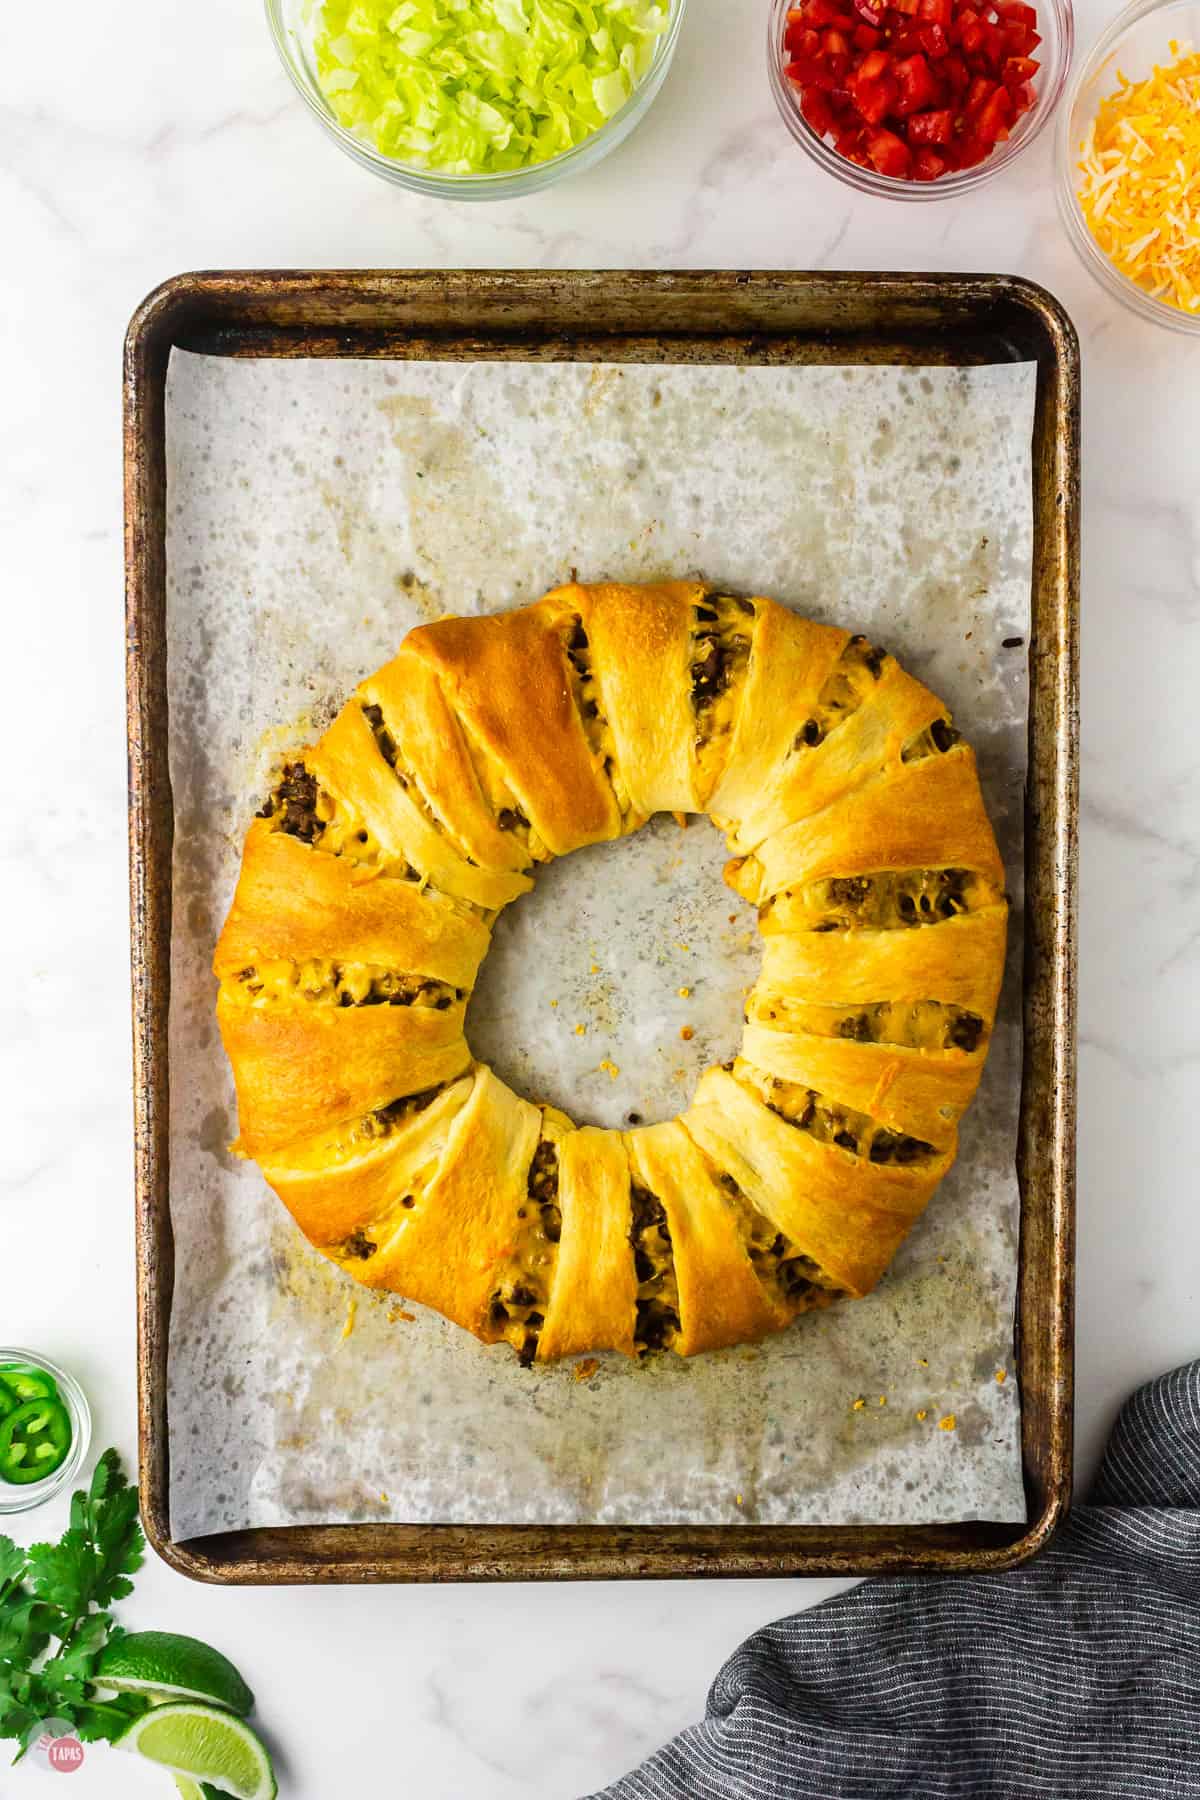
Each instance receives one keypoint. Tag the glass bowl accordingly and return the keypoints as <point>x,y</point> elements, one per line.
<point>293,40</point>
<point>15,1498</point>
<point>1138,38</point>
<point>1056,23</point>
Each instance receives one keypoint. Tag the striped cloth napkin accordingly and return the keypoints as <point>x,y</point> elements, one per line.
<point>1078,1675</point>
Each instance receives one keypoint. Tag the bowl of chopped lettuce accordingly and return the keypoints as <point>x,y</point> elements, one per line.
<point>476,99</point>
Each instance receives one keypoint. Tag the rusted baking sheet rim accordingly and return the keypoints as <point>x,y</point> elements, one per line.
<point>750,316</point>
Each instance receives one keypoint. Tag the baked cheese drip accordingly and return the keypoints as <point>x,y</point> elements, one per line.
<point>384,852</point>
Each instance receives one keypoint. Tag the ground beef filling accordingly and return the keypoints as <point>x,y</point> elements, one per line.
<point>358,1247</point>
<point>916,1025</point>
<point>829,1122</point>
<point>596,727</point>
<point>345,984</point>
<point>657,1323</point>
<point>792,1280</point>
<point>888,901</point>
<point>720,654</point>
<point>858,668</point>
<point>518,1306</point>
<point>935,740</point>
<point>295,804</point>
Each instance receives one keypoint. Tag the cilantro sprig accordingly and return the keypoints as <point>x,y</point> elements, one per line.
<point>54,1618</point>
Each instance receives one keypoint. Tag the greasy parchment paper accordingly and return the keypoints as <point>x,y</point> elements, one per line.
<point>317,510</point>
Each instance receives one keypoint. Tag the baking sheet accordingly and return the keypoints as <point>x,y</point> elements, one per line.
<point>317,510</point>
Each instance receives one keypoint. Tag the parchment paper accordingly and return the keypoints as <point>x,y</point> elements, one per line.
<point>316,511</point>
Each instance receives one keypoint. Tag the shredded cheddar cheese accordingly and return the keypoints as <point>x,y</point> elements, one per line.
<point>1140,192</point>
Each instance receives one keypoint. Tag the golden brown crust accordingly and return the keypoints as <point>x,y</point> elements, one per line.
<point>639,642</point>
<point>848,1215</point>
<point>301,1068</point>
<point>431,743</point>
<point>349,764</point>
<point>294,901</point>
<point>926,814</point>
<point>594,1295</point>
<point>489,744</point>
<point>721,1300</point>
<point>507,677</point>
<point>449,1251</point>
<point>345,1188</point>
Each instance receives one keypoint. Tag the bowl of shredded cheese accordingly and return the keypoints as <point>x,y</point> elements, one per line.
<point>1128,159</point>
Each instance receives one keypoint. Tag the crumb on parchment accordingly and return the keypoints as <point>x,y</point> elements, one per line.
<point>686,1033</point>
<point>949,1423</point>
<point>858,1404</point>
<point>581,1031</point>
<point>611,1069</point>
<point>1001,1377</point>
<point>685,993</point>
<point>583,1371</point>
<point>922,1416</point>
<point>396,1313</point>
<point>351,1315</point>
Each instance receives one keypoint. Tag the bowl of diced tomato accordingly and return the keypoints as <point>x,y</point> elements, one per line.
<point>918,99</point>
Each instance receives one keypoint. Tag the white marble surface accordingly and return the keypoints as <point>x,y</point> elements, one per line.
<point>138,141</point>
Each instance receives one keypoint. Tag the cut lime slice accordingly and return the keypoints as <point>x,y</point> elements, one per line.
<point>197,1790</point>
<point>206,1743</point>
<point>163,1665</point>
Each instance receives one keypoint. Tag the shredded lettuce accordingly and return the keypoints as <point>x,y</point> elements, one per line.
<point>482,86</point>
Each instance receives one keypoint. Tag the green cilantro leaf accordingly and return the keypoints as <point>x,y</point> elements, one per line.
<point>58,1593</point>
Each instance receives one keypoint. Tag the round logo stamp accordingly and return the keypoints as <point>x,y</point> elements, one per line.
<point>65,1755</point>
<point>54,1746</point>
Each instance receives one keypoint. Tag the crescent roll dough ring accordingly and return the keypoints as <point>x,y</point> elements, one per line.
<point>372,877</point>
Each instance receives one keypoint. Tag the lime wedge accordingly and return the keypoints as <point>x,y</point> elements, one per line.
<point>165,1666</point>
<point>197,1790</point>
<point>206,1743</point>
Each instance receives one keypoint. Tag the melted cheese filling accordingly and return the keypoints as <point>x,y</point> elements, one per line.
<point>829,1122</point>
<point>914,1025</point>
<point>341,984</point>
<point>889,900</point>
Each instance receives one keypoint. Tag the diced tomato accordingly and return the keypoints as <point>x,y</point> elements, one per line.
<point>1020,40</point>
<point>890,154</point>
<point>872,66</point>
<point>997,44</point>
<point>916,84</point>
<point>814,104</point>
<point>931,127</point>
<point>971,151</point>
<point>820,13</point>
<point>978,95</point>
<point>1019,69</point>
<point>807,71</point>
<point>996,117</point>
<point>915,89</point>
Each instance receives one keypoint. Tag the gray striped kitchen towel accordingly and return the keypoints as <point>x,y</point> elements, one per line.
<point>1078,1675</point>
